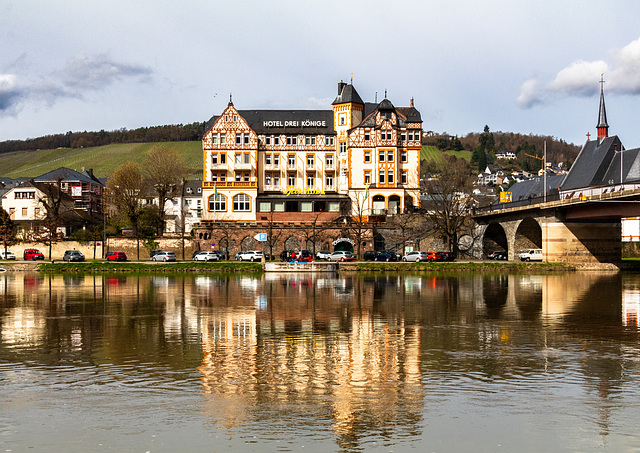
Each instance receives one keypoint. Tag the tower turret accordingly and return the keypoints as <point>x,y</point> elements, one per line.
<point>603,126</point>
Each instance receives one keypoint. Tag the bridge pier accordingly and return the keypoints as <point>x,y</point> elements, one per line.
<point>582,242</point>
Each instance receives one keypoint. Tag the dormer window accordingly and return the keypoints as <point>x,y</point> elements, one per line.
<point>188,189</point>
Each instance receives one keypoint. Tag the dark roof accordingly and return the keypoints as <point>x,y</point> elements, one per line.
<point>592,163</point>
<point>286,121</point>
<point>631,170</point>
<point>411,113</point>
<point>347,93</point>
<point>65,174</point>
<point>385,105</point>
<point>602,113</point>
<point>522,190</point>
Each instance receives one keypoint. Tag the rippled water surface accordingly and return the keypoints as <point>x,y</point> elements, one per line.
<point>320,363</point>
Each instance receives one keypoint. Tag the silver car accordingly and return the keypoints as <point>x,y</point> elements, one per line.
<point>164,256</point>
<point>206,256</point>
<point>416,256</point>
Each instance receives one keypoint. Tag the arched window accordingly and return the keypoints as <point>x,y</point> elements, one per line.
<point>219,204</point>
<point>242,202</point>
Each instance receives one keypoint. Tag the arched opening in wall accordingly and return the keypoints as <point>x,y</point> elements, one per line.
<point>379,242</point>
<point>343,245</point>
<point>528,235</point>
<point>314,246</point>
<point>249,243</point>
<point>494,240</point>
<point>377,205</point>
<point>394,204</point>
<point>292,243</point>
<point>408,204</point>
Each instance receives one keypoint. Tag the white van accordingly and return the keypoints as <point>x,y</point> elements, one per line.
<point>10,255</point>
<point>531,255</point>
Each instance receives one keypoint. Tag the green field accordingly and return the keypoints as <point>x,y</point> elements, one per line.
<point>434,154</point>
<point>102,159</point>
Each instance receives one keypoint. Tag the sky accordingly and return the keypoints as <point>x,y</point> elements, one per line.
<point>516,66</point>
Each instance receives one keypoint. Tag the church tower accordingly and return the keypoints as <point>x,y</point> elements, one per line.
<point>603,127</point>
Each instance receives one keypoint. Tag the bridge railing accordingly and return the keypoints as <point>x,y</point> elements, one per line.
<point>497,206</point>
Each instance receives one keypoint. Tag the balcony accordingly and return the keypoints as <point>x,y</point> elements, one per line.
<point>291,166</point>
<point>274,166</point>
<point>219,166</point>
<point>272,188</point>
<point>230,184</point>
<point>242,166</point>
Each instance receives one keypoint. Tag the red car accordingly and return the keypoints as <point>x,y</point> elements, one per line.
<point>116,256</point>
<point>33,254</point>
<point>305,256</point>
<point>434,256</point>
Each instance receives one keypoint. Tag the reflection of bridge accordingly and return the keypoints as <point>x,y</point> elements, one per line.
<point>584,230</point>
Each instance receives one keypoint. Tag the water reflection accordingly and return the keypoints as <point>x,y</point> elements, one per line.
<point>360,362</point>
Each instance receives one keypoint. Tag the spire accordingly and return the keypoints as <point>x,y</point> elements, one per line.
<point>230,99</point>
<point>603,127</point>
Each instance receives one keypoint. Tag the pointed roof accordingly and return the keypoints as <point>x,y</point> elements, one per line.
<point>592,163</point>
<point>347,93</point>
<point>65,174</point>
<point>602,113</point>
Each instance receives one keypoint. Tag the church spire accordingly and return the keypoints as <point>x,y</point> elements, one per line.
<point>603,127</point>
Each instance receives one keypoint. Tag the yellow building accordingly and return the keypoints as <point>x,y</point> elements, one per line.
<point>358,159</point>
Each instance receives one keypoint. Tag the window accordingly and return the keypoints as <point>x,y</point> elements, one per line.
<point>403,136</point>
<point>223,139</point>
<point>214,178</point>
<point>367,157</point>
<point>238,139</point>
<point>310,160</point>
<point>246,139</point>
<point>343,147</point>
<point>311,180</point>
<point>342,120</point>
<point>24,212</point>
<point>267,140</point>
<point>276,159</point>
<point>267,159</point>
<point>241,202</point>
<point>276,179</point>
<point>334,206</point>
<point>238,158</point>
<point>381,175</point>
<point>381,156</point>
<point>403,157</point>
<point>246,176</point>
<point>329,181</point>
<point>214,159</point>
<point>218,204</point>
<point>310,141</point>
<point>306,206</point>
<point>238,176</point>
<point>214,139</point>
<point>390,177</point>
<point>403,177</point>
<point>278,206</point>
<point>291,179</point>
<point>226,118</point>
<point>223,177</point>
<point>247,158</point>
<point>267,179</point>
<point>265,206</point>
<point>276,140</point>
<point>329,160</point>
<point>329,141</point>
<point>235,118</point>
<point>223,158</point>
<point>291,160</point>
<point>367,136</point>
<point>367,177</point>
<point>292,140</point>
<point>37,213</point>
<point>390,156</point>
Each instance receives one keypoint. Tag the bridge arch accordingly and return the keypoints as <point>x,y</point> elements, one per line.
<point>494,239</point>
<point>528,235</point>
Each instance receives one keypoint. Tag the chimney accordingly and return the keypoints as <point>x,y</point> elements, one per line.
<point>341,86</point>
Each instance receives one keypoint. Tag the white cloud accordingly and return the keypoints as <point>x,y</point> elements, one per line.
<point>10,94</point>
<point>580,78</point>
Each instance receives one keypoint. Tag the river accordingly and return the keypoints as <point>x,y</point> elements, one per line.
<point>317,363</point>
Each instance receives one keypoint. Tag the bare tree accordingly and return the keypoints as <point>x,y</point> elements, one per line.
<point>448,201</point>
<point>164,170</point>
<point>123,190</point>
<point>7,230</point>
<point>356,222</point>
<point>57,206</point>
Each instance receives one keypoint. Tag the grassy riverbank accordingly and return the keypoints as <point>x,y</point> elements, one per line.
<point>479,266</point>
<point>186,266</point>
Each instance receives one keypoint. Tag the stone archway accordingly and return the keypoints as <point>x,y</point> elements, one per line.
<point>394,205</point>
<point>494,240</point>
<point>248,243</point>
<point>343,245</point>
<point>292,243</point>
<point>528,235</point>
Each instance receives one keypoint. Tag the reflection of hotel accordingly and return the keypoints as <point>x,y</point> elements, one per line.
<point>282,165</point>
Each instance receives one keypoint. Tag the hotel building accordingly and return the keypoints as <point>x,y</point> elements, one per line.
<point>356,159</point>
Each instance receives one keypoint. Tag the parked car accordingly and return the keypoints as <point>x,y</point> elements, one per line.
<point>342,256</point>
<point>386,255</point>
<point>207,256</point>
<point>116,256</point>
<point>154,253</point>
<point>32,254</point>
<point>447,256</point>
<point>434,256</point>
<point>288,255</point>
<point>416,256</point>
<point>496,255</point>
<point>7,256</point>
<point>73,255</point>
<point>305,256</point>
<point>531,255</point>
<point>323,255</point>
<point>250,255</point>
<point>369,255</point>
<point>222,255</point>
<point>163,255</point>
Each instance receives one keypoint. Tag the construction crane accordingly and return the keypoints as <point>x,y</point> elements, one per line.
<point>544,169</point>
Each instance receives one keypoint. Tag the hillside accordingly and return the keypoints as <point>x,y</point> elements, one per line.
<point>102,159</point>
